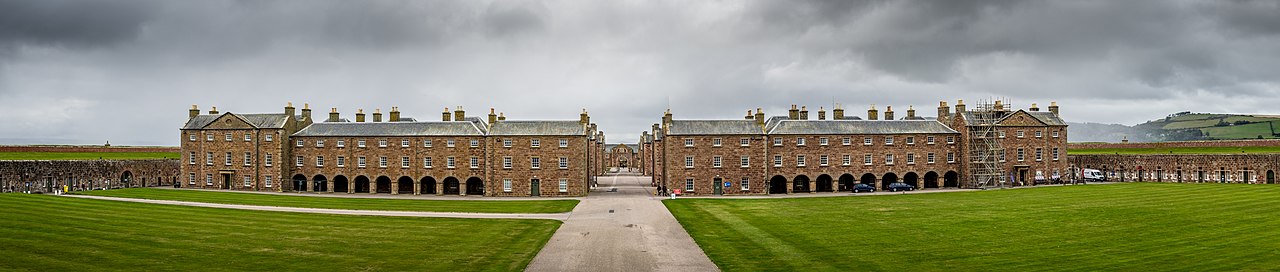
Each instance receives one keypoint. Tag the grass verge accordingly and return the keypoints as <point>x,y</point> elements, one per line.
<point>418,205</point>
<point>64,156</point>
<point>1176,150</point>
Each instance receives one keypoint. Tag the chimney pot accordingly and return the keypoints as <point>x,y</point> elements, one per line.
<point>888,113</point>
<point>193,112</point>
<point>213,110</point>
<point>1053,107</point>
<point>872,113</point>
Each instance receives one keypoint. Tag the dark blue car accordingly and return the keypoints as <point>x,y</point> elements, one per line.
<point>863,187</point>
<point>898,186</point>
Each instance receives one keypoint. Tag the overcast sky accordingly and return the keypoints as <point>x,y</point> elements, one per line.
<point>84,72</point>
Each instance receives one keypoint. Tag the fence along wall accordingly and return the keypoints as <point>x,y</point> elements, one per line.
<point>46,176</point>
<point>1216,168</point>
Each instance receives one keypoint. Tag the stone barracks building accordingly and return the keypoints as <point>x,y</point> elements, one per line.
<point>985,147</point>
<point>457,155</point>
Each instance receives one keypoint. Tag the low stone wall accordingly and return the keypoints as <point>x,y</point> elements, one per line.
<point>84,148</point>
<point>1221,168</point>
<point>1217,143</point>
<point>46,176</point>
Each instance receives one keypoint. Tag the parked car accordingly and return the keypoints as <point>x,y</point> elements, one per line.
<point>863,187</point>
<point>898,186</point>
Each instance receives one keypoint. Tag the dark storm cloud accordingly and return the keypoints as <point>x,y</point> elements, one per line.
<point>67,67</point>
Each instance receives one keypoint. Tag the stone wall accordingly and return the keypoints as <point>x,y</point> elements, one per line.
<point>1220,168</point>
<point>84,148</point>
<point>78,175</point>
<point>1217,143</point>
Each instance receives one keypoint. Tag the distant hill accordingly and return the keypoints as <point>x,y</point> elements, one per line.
<point>1183,126</point>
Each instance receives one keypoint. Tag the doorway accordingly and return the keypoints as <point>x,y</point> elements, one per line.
<point>226,181</point>
<point>718,187</point>
<point>535,187</point>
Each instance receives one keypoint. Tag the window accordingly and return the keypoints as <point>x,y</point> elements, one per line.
<point>888,159</point>
<point>267,181</point>
<point>506,162</point>
<point>360,143</point>
<point>269,138</point>
<point>535,143</point>
<point>911,158</point>
<point>846,160</point>
<point>248,158</point>
<point>929,158</point>
<point>1039,134</point>
<point>319,161</point>
<point>688,184</point>
<point>228,136</point>
<point>319,143</point>
<point>208,158</point>
<point>951,157</point>
<point>799,141</point>
<point>715,142</point>
<point>535,163</point>
<point>298,161</point>
<point>744,183</point>
<point>951,139</point>
<point>192,158</point>
<point>426,162</point>
<point>888,140</point>
<point>1055,153</point>
<point>564,143</point>
<point>449,143</point>
<point>1039,154</point>
<point>1001,134</point>
<point>822,160</point>
<point>745,161</point>
<point>799,160</point>
<point>191,179</point>
<point>564,185</point>
<point>208,179</point>
<point>426,143</point>
<point>227,160</point>
<point>208,137</point>
<point>382,143</point>
<point>404,162</point>
<point>475,162</point>
<point>688,161</point>
<point>382,162</point>
<point>777,141</point>
<point>506,185</point>
<point>866,159</point>
<point>298,144</point>
<point>1002,157</point>
<point>744,142</point>
<point>342,161</point>
<point>1055,134</point>
<point>342,143</point>
<point>450,163</point>
<point>866,141</point>
<point>506,142</point>
<point>688,142</point>
<point>1020,134</point>
<point>1021,156</point>
<point>360,162</point>
<point>475,143</point>
<point>404,143</point>
<point>822,141</point>
<point>777,161</point>
<point>564,163</point>
<point>715,162</point>
<point>267,160</point>
<point>191,137</point>
<point>928,139</point>
<point>911,140</point>
<point>248,181</point>
<point>846,141</point>
<point>248,138</point>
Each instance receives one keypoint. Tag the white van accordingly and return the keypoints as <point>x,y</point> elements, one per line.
<point>1092,174</point>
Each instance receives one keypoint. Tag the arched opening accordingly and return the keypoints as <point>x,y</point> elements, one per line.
<point>319,183</point>
<point>951,179</point>
<point>778,185</point>
<point>475,186</point>
<point>824,183</point>
<point>404,185</point>
<point>362,184</point>
<point>889,178</point>
<point>299,183</point>
<point>912,179</point>
<point>800,184</point>
<point>340,184</point>
<point>451,186</point>
<point>931,179</point>
<point>846,183</point>
<point>868,179</point>
<point>383,186</point>
<point>428,186</point>
<point>1271,177</point>
<point>126,179</point>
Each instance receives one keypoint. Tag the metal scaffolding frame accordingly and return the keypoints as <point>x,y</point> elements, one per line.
<point>984,146</point>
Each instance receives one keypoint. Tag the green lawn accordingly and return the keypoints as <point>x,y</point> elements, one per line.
<point>475,206</point>
<point>1118,227</point>
<point>1250,131</point>
<point>1175,150</point>
<point>49,233</point>
<point>62,156</point>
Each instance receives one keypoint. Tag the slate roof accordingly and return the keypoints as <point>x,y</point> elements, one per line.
<point>859,127</point>
<point>258,120</point>
<point>1048,118</point>
<point>713,127</point>
<point>391,129</point>
<point>515,128</point>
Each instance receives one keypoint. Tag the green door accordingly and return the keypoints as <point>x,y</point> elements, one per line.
<point>535,187</point>
<point>719,186</point>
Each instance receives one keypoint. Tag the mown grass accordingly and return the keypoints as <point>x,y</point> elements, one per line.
<point>1119,227</point>
<point>49,233</point>
<point>422,205</point>
<point>63,156</point>
<point>1175,150</point>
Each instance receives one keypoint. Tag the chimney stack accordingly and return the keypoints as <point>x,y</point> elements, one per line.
<point>760,117</point>
<point>666,119</point>
<point>822,114</point>
<point>794,113</point>
<point>1034,107</point>
<point>445,116</point>
<point>943,111</point>
<point>377,115</point>
<point>911,112</point>
<point>493,118</point>
<point>195,111</point>
<point>583,118</point>
<point>502,116</point>
<point>213,110</point>
<point>656,129</point>
<point>750,116</point>
<point>837,113</point>
<point>459,114</point>
<point>873,114</point>
<point>395,114</point>
<point>306,112</point>
<point>288,109</point>
<point>888,113</point>
<point>804,113</point>
<point>1053,107</point>
<point>333,115</point>
<point>960,106</point>
<point>999,106</point>
<point>359,115</point>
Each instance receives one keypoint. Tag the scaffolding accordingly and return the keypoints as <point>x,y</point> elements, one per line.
<point>984,145</point>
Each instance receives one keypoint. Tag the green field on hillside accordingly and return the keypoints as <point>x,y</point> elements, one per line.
<point>1176,150</point>
<point>63,156</point>
<point>379,204</point>
<point>50,233</point>
<point>1116,227</point>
